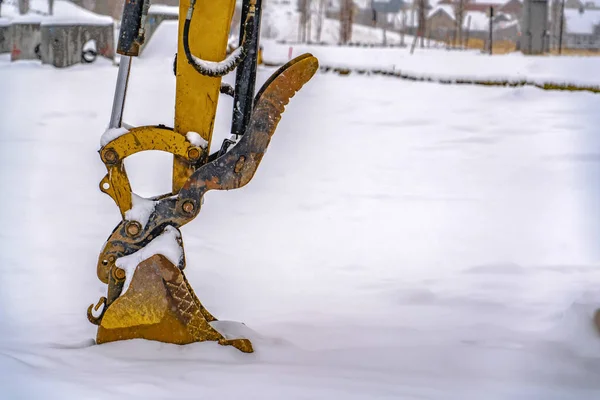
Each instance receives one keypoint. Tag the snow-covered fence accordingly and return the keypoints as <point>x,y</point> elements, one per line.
<point>63,44</point>
<point>26,37</point>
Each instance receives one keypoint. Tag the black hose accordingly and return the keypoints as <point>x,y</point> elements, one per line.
<point>227,89</point>
<point>234,58</point>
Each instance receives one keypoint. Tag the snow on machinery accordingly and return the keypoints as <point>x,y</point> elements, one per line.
<point>142,261</point>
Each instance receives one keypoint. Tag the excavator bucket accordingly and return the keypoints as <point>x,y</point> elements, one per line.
<point>143,260</point>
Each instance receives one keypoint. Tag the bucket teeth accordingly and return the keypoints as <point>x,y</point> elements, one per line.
<point>159,303</point>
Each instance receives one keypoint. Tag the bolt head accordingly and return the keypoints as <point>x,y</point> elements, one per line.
<point>110,156</point>
<point>133,228</point>
<point>188,207</point>
<point>119,273</point>
<point>194,153</point>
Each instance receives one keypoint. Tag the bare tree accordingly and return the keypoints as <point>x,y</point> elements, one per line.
<point>404,19</point>
<point>422,8</point>
<point>309,15</point>
<point>304,21</point>
<point>346,20</point>
<point>460,12</point>
<point>320,18</point>
<point>555,22</point>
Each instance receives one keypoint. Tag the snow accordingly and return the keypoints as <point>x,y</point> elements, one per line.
<point>281,23</point>
<point>111,134</point>
<point>163,43</point>
<point>79,20</point>
<point>400,240</point>
<point>27,19</point>
<point>443,64</point>
<point>196,140</point>
<point>141,210</point>
<point>581,23</point>
<point>163,9</point>
<point>479,21</point>
<point>65,13</point>
<point>165,244</point>
<point>218,67</point>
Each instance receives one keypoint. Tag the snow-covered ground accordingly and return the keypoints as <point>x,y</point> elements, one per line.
<point>399,241</point>
<point>441,63</point>
<point>437,63</point>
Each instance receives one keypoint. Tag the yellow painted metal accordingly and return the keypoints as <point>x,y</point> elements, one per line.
<point>161,305</point>
<point>116,184</point>
<point>197,95</point>
<point>148,138</point>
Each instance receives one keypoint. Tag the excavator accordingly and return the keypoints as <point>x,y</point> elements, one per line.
<point>142,262</point>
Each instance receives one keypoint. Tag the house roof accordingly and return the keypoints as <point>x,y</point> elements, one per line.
<point>581,22</point>
<point>65,12</point>
<point>480,21</point>
<point>442,8</point>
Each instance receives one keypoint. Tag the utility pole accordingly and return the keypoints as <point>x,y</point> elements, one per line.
<point>491,27</point>
<point>468,32</point>
<point>562,25</point>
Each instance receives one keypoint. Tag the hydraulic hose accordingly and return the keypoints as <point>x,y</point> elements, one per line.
<point>212,68</point>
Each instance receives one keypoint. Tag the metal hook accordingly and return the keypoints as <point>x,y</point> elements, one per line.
<point>91,318</point>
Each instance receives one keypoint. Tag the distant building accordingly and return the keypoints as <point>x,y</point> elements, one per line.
<point>582,29</point>
<point>442,24</point>
<point>511,7</point>
<point>114,8</point>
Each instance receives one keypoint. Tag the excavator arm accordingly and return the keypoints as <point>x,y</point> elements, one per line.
<point>142,262</point>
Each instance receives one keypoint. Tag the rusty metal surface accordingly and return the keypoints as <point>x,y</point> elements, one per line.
<point>116,184</point>
<point>160,303</point>
<point>219,174</point>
